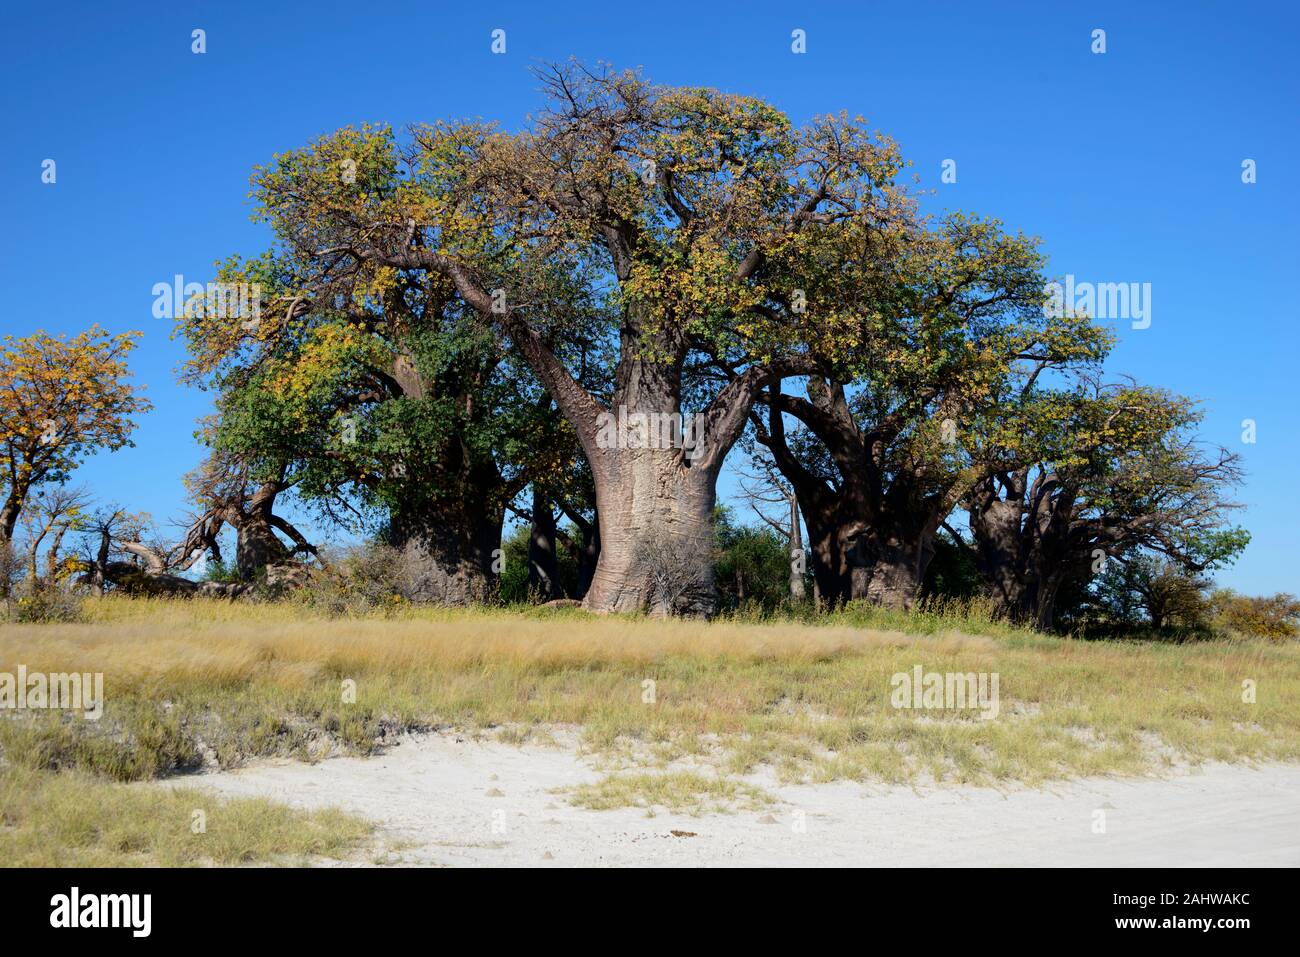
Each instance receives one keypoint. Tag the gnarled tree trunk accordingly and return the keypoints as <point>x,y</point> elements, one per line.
<point>872,524</point>
<point>448,553</point>
<point>543,562</point>
<point>827,549</point>
<point>1024,544</point>
<point>256,544</point>
<point>890,573</point>
<point>654,472</point>
<point>1006,549</point>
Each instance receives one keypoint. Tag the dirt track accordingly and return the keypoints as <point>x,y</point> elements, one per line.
<point>458,802</point>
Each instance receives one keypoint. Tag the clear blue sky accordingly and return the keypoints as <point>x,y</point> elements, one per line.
<point>1127,163</point>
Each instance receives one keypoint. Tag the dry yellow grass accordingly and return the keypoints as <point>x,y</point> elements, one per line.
<point>812,702</point>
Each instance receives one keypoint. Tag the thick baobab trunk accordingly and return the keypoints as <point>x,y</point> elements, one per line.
<point>256,544</point>
<point>256,548</point>
<point>1042,599</point>
<point>852,562</point>
<point>1014,597</point>
<point>656,534</point>
<point>447,554</point>
<point>833,517</point>
<point>654,492</point>
<point>147,574</point>
<point>828,554</point>
<point>872,520</point>
<point>588,558</point>
<point>1022,545</point>
<point>996,530</point>
<point>890,573</point>
<point>543,563</point>
<point>655,475</point>
<point>655,504</point>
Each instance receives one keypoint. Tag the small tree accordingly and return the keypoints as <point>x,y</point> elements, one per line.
<point>47,519</point>
<point>1159,591</point>
<point>60,400</point>
<point>753,565</point>
<point>765,491</point>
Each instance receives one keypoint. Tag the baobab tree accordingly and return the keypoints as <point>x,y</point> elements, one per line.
<point>952,322</point>
<point>122,549</point>
<point>678,222</point>
<point>1120,472</point>
<point>376,394</point>
<point>230,492</point>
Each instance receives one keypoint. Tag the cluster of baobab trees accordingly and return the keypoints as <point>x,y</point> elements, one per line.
<point>579,321</point>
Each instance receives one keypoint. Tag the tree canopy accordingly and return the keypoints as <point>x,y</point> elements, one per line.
<point>61,399</point>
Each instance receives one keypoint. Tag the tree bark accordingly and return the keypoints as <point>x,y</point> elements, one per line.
<point>99,574</point>
<point>131,579</point>
<point>869,540</point>
<point>543,562</point>
<point>872,523</point>
<point>1024,544</point>
<point>798,590</point>
<point>8,521</point>
<point>10,511</point>
<point>447,552</point>
<point>52,555</point>
<point>656,535</point>
<point>1006,549</point>
<point>828,550</point>
<point>890,573</point>
<point>256,544</point>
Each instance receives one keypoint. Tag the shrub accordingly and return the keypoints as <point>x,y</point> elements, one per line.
<point>45,603</point>
<point>222,572</point>
<point>358,581</point>
<point>751,568</point>
<point>1276,617</point>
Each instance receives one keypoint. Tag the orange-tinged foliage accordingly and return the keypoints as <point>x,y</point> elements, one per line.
<point>61,399</point>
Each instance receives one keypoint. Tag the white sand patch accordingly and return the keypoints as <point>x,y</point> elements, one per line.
<point>455,801</point>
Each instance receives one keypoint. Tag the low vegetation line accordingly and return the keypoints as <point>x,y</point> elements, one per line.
<point>189,684</point>
<point>77,820</point>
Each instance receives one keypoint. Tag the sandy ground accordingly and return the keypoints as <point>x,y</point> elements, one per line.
<point>449,800</point>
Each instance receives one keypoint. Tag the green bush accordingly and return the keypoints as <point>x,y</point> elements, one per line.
<point>752,569</point>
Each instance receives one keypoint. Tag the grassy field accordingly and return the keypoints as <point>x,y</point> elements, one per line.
<point>73,819</point>
<point>668,708</point>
